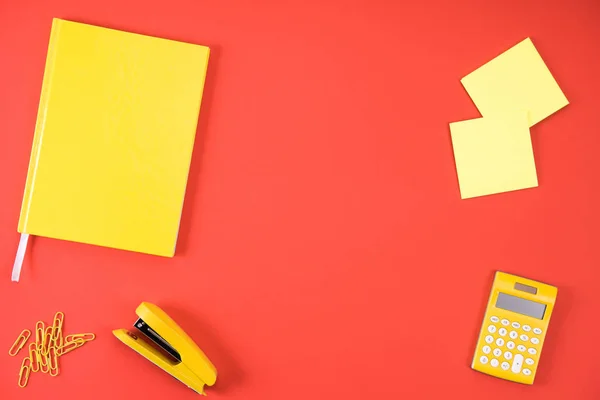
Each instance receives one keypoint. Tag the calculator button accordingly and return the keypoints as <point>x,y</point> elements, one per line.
<point>483,360</point>
<point>537,331</point>
<point>508,355</point>
<point>516,325</point>
<point>489,339</point>
<point>535,340</point>
<point>524,338</point>
<point>505,322</point>
<point>494,319</point>
<point>526,328</point>
<point>505,365</point>
<point>513,335</point>
<point>497,352</point>
<point>532,351</point>
<point>510,344</point>
<point>494,363</point>
<point>502,332</point>
<point>526,372</point>
<point>486,349</point>
<point>491,329</point>
<point>521,348</point>
<point>499,342</point>
<point>529,361</point>
<point>517,364</point>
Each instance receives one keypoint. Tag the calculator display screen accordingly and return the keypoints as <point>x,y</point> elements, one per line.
<point>520,305</point>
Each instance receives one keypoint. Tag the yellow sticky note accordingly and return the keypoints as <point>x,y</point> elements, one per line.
<point>493,154</point>
<point>516,80</point>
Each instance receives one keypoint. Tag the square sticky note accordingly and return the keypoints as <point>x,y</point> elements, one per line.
<point>493,154</point>
<point>516,80</point>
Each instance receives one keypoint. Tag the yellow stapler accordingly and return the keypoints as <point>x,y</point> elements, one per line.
<point>169,347</point>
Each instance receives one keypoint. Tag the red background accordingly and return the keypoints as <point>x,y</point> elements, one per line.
<point>324,250</point>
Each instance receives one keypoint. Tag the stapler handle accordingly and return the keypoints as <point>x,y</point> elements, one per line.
<point>175,369</point>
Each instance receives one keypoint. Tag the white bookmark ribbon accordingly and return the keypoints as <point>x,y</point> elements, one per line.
<point>16,272</point>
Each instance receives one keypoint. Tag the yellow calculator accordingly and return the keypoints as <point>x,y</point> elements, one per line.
<point>514,327</point>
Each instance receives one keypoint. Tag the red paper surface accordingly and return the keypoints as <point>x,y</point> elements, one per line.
<point>324,250</point>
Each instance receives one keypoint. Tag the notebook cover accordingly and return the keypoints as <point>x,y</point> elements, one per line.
<point>113,139</point>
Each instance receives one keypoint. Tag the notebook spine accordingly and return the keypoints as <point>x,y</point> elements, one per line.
<point>39,126</point>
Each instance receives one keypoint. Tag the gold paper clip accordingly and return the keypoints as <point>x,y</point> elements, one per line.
<point>47,342</point>
<point>39,334</point>
<point>86,337</point>
<point>70,346</point>
<point>57,324</point>
<point>59,318</point>
<point>53,361</point>
<point>34,357</point>
<point>58,339</point>
<point>44,363</point>
<point>24,372</point>
<point>19,343</point>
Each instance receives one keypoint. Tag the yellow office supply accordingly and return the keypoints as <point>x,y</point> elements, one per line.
<point>53,362</point>
<point>86,337</point>
<point>48,333</point>
<point>57,339</point>
<point>169,347</point>
<point>57,323</point>
<point>516,80</point>
<point>493,154</point>
<point>70,346</point>
<point>113,140</point>
<point>34,357</point>
<point>514,327</point>
<point>19,343</point>
<point>24,372</point>
<point>44,365</point>
<point>39,334</point>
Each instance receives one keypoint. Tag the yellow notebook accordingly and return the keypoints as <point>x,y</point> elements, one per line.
<point>113,139</point>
